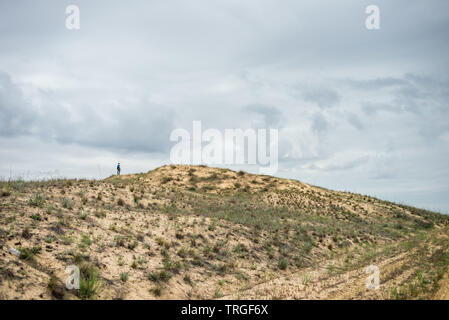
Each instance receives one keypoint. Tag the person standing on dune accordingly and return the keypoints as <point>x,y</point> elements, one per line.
<point>118,169</point>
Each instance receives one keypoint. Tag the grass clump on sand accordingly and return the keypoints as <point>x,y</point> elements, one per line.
<point>29,253</point>
<point>90,284</point>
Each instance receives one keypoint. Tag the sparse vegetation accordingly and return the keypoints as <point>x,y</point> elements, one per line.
<point>162,276</point>
<point>67,203</point>
<point>55,287</point>
<point>37,201</point>
<point>29,253</point>
<point>90,284</point>
<point>228,231</point>
<point>124,276</point>
<point>282,264</point>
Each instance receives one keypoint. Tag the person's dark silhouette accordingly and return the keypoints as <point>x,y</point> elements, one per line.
<point>118,169</point>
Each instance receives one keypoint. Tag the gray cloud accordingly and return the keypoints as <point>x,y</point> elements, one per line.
<point>378,83</point>
<point>271,115</point>
<point>370,108</point>
<point>139,127</point>
<point>324,98</point>
<point>15,117</point>
<point>319,123</point>
<point>354,120</point>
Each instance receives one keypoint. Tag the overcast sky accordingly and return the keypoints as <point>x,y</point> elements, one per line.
<point>356,109</point>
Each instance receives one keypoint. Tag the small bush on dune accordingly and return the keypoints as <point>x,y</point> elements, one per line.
<point>67,204</point>
<point>28,254</point>
<point>90,284</point>
<point>124,276</point>
<point>26,234</point>
<point>37,201</point>
<point>56,288</point>
<point>163,276</point>
<point>282,264</point>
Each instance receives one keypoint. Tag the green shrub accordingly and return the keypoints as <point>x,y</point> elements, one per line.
<point>124,276</point>
<point>67,203</point>
<point>282,264</point>
<point>28,254</point>
<point>157,290</point>
<point>90,284</point>
<point>56,288</point>
<point>37,201</point>
<point>85,240</point>
<point>36,217</point>
<point>163,276</point>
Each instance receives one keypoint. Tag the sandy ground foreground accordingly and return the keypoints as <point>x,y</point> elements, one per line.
<point>185,232</point>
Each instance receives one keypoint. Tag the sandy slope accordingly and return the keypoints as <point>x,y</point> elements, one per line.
<point>183,232</point>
